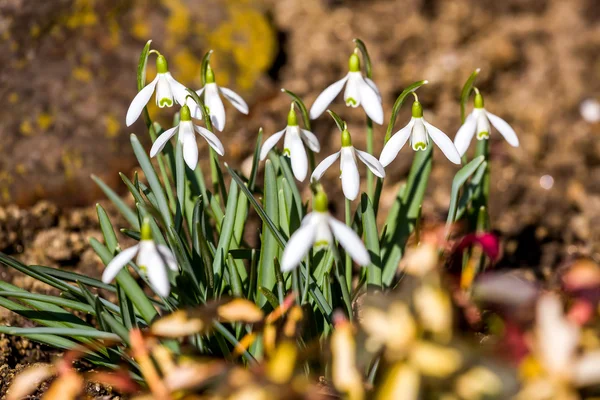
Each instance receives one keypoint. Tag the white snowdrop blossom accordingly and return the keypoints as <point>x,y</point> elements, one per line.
<point>419,132</point>
<point>360,90</point>
<point>152,259</point>
<point>293,145</point>
<point>348,167</point>
<point>167,90</point>
<point>212,101</point>
<point>318,229</point>
<point>185,130</point>
<point>557,346</point>
<point>479,122</point>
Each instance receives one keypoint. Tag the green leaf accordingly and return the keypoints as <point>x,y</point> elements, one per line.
<point>153,180</point>
<point>471,190</point>
<point>204,66</point>
<point>464,94</point>
<point>341,124</point>
<point>255,160</point>
<point>363,49</point>
<point>110,239</point>
<point>141,69</point>
<point>69,276</point>
<point>270,296</point>
<point>369,225</point>
<point>289,176</point>
<point>396,108</point>
<point>402,216</point>
<point>59,301</point>
<point>226,230</point>
<point>266,267</point>
<point>303,110</point>
<point>180,185</point>
<point>459,180</point>
<point>70,332</point>
<point>127,212</point>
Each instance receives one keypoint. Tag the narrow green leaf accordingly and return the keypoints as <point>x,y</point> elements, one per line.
<point>471,190</point>
<point>363,49</point>
<point>69,276</point>
<point>123,208</point>
<point>396,108</point>
<point>369,225</point>
<point>70,332</point>
<point>59,301</point>
<point>153,180</point>
<point>226,230</point>
<point>255,160</point>
<point>204,66</point>
<point>270,296</point>
<point>465,92</point>
<point>110,239</point>
<point>141,69</point>
<point>341,124</point>
<point>459,180</point>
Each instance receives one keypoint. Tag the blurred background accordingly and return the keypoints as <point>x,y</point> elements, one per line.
<point>68,76</point>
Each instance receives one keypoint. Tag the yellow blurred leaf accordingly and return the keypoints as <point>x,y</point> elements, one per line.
<point>28,381</point>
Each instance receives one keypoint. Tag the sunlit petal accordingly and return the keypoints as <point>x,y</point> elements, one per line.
<point>349,176</point>
<point>326,97</point>
<point>350,242</point>
<point>120,260</point>
<point>213,101</point>
<point>463,137</point>
<point>162,140</point>
<point>297,154</point>
<point>311,140</point>
<point>270,143</point>
<point>322,167</point>
<point>371,162</point>
<point>397,141</point>
<point>235,99</point>
<point>139,102</point>
<point>443,142</point>
<point>211,138</point>
<point>297,247</point>
<point>504,128</point>
<point>371,102</point>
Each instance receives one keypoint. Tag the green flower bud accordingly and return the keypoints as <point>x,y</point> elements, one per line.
<point>417,110</point>
<point>146,231</point>
<point>292,120</point>
<point>354,63</point>
<point>320,202</point>
<point>184,114</point>
<point>346,139</point>
<point>210,75</point>
<point>161,64</point>
<point>478,101</point>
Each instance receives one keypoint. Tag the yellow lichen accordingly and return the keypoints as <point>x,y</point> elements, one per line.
<point>13,98</point>
<point>44,121</point>
<point>83,14</point>
<point>82,74</point>
<point>35,31</point>
<point>72,162</point>
<point>26,128</point>
<point>20,169</point>
<point>178,22</point>
<point>112,126</point>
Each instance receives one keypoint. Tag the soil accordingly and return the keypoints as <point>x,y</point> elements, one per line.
<point>539,58</point>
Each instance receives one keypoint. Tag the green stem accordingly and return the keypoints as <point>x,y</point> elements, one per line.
<point>370,151</point>
<point>348,259</point>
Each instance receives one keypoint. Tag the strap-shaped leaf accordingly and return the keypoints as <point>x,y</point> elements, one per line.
<point>465,92</point>
<point>398,103</point>
<point>459,180</point>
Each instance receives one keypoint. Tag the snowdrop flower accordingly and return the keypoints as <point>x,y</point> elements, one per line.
<point>152,259</point>
<point>419,131</point>
<point>167,90</point>
<point>213,102</point>
<point>187,138</point>
<point>360,90</point>
<point>318,229</point>
<point>349,170</point>
<point>293,145</point>
<point>479,122</point>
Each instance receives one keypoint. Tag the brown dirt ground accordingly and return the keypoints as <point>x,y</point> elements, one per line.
<point>539,60</point>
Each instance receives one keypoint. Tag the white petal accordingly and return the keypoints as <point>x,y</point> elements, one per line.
<point>164,92</point>
<point>235,99</point>
<point>213,101</point>
<point>179,91</point>
<point>157,274</point>
<point>326,97</point>
<point>322,167</point>
<point>352,94</point>
<point>397,141</point>
<point>211,138</point>
<point>195,111</point>
<point>168,256</point>
<point>350,242</point>
<point>270,143</point>
<point>504,128</point>
<point>188,141</point>
<point>350,176</point>
<point>120,260</point>
<point>374,87</point>
<point>371,102</point>
<point>139,102</point>
<point>311,140</point>
<point>297,155</point>
<point>586,371</point>
<point>162,140</point>
<point>297,247</point>
<point>443,142</point>
<point>463,137</point>
<point>371,162</point>
<point>557,337</point>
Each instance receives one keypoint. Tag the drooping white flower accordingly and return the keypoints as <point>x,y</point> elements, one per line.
<point>360,90</point>
<point>319,228</point>
<point>419,132</point>
<point>213,102</point>
<point>293,145</point>
<point>479,122</point>
<point>557,340</point>
<point>152,259</point>
<point>167,91</point>
<point>349,170</point>
<point>186,136</point>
